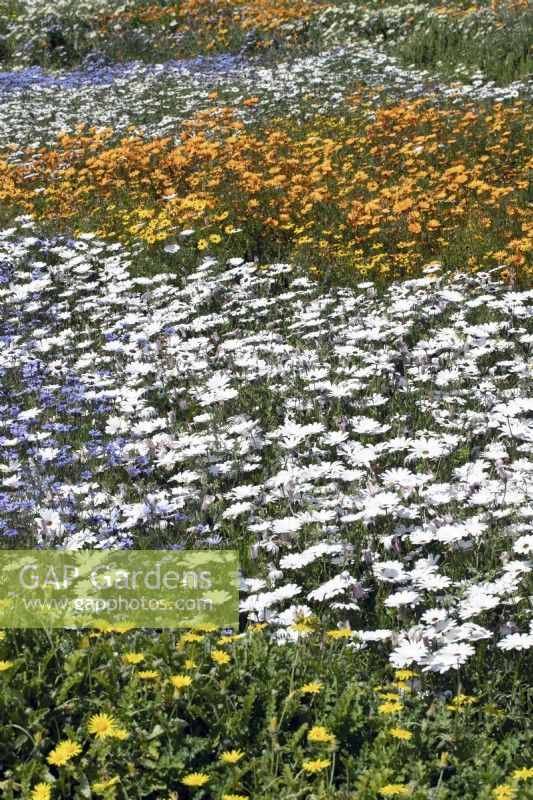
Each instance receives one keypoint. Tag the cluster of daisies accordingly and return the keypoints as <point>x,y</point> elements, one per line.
<point>38,105</point>
<point>368,453</point>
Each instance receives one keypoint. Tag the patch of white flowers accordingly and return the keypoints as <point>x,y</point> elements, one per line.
<point>369,455</point>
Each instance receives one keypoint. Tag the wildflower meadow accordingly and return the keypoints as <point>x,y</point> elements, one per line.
<point>266,287</point>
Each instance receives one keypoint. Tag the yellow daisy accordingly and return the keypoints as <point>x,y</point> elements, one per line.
<point>194,779</point>
<point>189,637</point>
<point>401,733</point>
<point>339,633</point>
<point>119,733</point>
<point>231,756</point>
<point>316,766</point>
<point>41,791</point>
<point>180,681</point>
<point>523,774</point>
<point>102,725</point>
<point>312,688</point>
<point>390,708</point>
<point>235,797</point>
<point>394,790</point>
<point>220,657</point>
<point>320,734</point>
<point>503,792</point>
<point>133,658</point>
<point>63,752</point>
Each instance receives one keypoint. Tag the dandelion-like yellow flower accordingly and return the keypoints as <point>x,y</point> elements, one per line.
<point>63,752</point>
<point>203,244</point>
<point>189,637</point>
<point>189,664</point>
<point>302,627</point>
<point>231,756</point>
<point>180,681</point>
<point>404,674</point>
<point>2,637</point>
<point>339,633</point>
<point>5,665</point>
<point>148,674</point>
<point>235,797</point>
<point>102,725</point>
<point>316,766</point>
<point>460,701</point>
<point>195,779</point>
<point>401,733</point>
<point>103,786</point>
<point>315,687</point>
<point>220,657</point>
<point>503,792</point>
<point>523,774</point>
<point>394,790</point>
<point>320,734</point>
<point>42,791</point>
<point>119,733</point>
<point>390,708</point>
<point>133,658</point>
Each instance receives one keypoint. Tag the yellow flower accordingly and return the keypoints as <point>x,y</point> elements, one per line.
<point>404,674</point>
<point>180,681</point>
<point>5,665</point>
<point>215,238</point>
<point>235,797</point>
<point>203,244</point>
<point>460,701</point>
<point>390,708</point>
<point>230,638</point>
<point>231,756</point>
<point>133,658</point>
<point>316,766</point>
<point>102,725</point>
<point>401,733</point>
<point>42,791</point>
<point>189,637</point>
<point>189,664</point>
<point>258,626</point>
<point>394,789</point>
<point>148,675</point>
<point>339,633</point>
<point>2,637</point>
<point>503,792</point>
<point>312,688</point>
<point>220,657</point>
<point>119,733</point>
<point>523,774</point>
<point>194,779</point>
<point>63,752</point>
<point>302,627</point>
<point>320,734</point>
<point>100,788</point>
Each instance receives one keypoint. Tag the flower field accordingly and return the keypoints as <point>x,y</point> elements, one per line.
<point>266,286</point>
